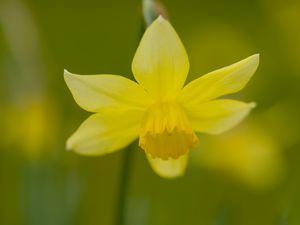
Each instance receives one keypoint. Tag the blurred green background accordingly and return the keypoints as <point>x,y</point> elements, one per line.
<point>249,175</point>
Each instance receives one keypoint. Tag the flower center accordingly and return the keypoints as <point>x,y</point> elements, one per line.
<point>166,131</point>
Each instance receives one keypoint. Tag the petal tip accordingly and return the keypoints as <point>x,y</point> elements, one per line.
<point>252,105</point>
<point>168,169</point>
<point>171,177</point>
<point>68,145</point>
<point>67,73</point>
<point>252,60</point>
<point>160,19</point>
<point>68,77</point>
<point>255,58</point>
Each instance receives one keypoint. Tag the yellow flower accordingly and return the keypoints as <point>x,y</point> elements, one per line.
<point>157,108</point>
<point>32,116</point>
<point>257,161</point>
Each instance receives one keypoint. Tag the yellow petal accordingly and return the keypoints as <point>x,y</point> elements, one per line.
<point>170,168</point>
<point>106,132</point>
<point>95,92</point>
<point>224,81</point>
<point>161,64</point>
<point>218,116</point>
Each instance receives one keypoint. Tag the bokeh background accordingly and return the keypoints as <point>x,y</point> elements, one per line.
<point>249,175</point>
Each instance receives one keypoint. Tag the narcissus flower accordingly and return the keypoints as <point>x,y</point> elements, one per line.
<point>158,109</point>
<point>257,162</point>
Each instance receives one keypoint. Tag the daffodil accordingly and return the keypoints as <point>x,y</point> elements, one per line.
<point>158,109</point>
<point>257,161</point>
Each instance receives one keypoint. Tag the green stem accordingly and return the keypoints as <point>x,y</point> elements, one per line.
<point>124,186</point>
<point>151,9</point>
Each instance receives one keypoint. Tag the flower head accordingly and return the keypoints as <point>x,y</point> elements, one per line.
<point>158,108</point>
